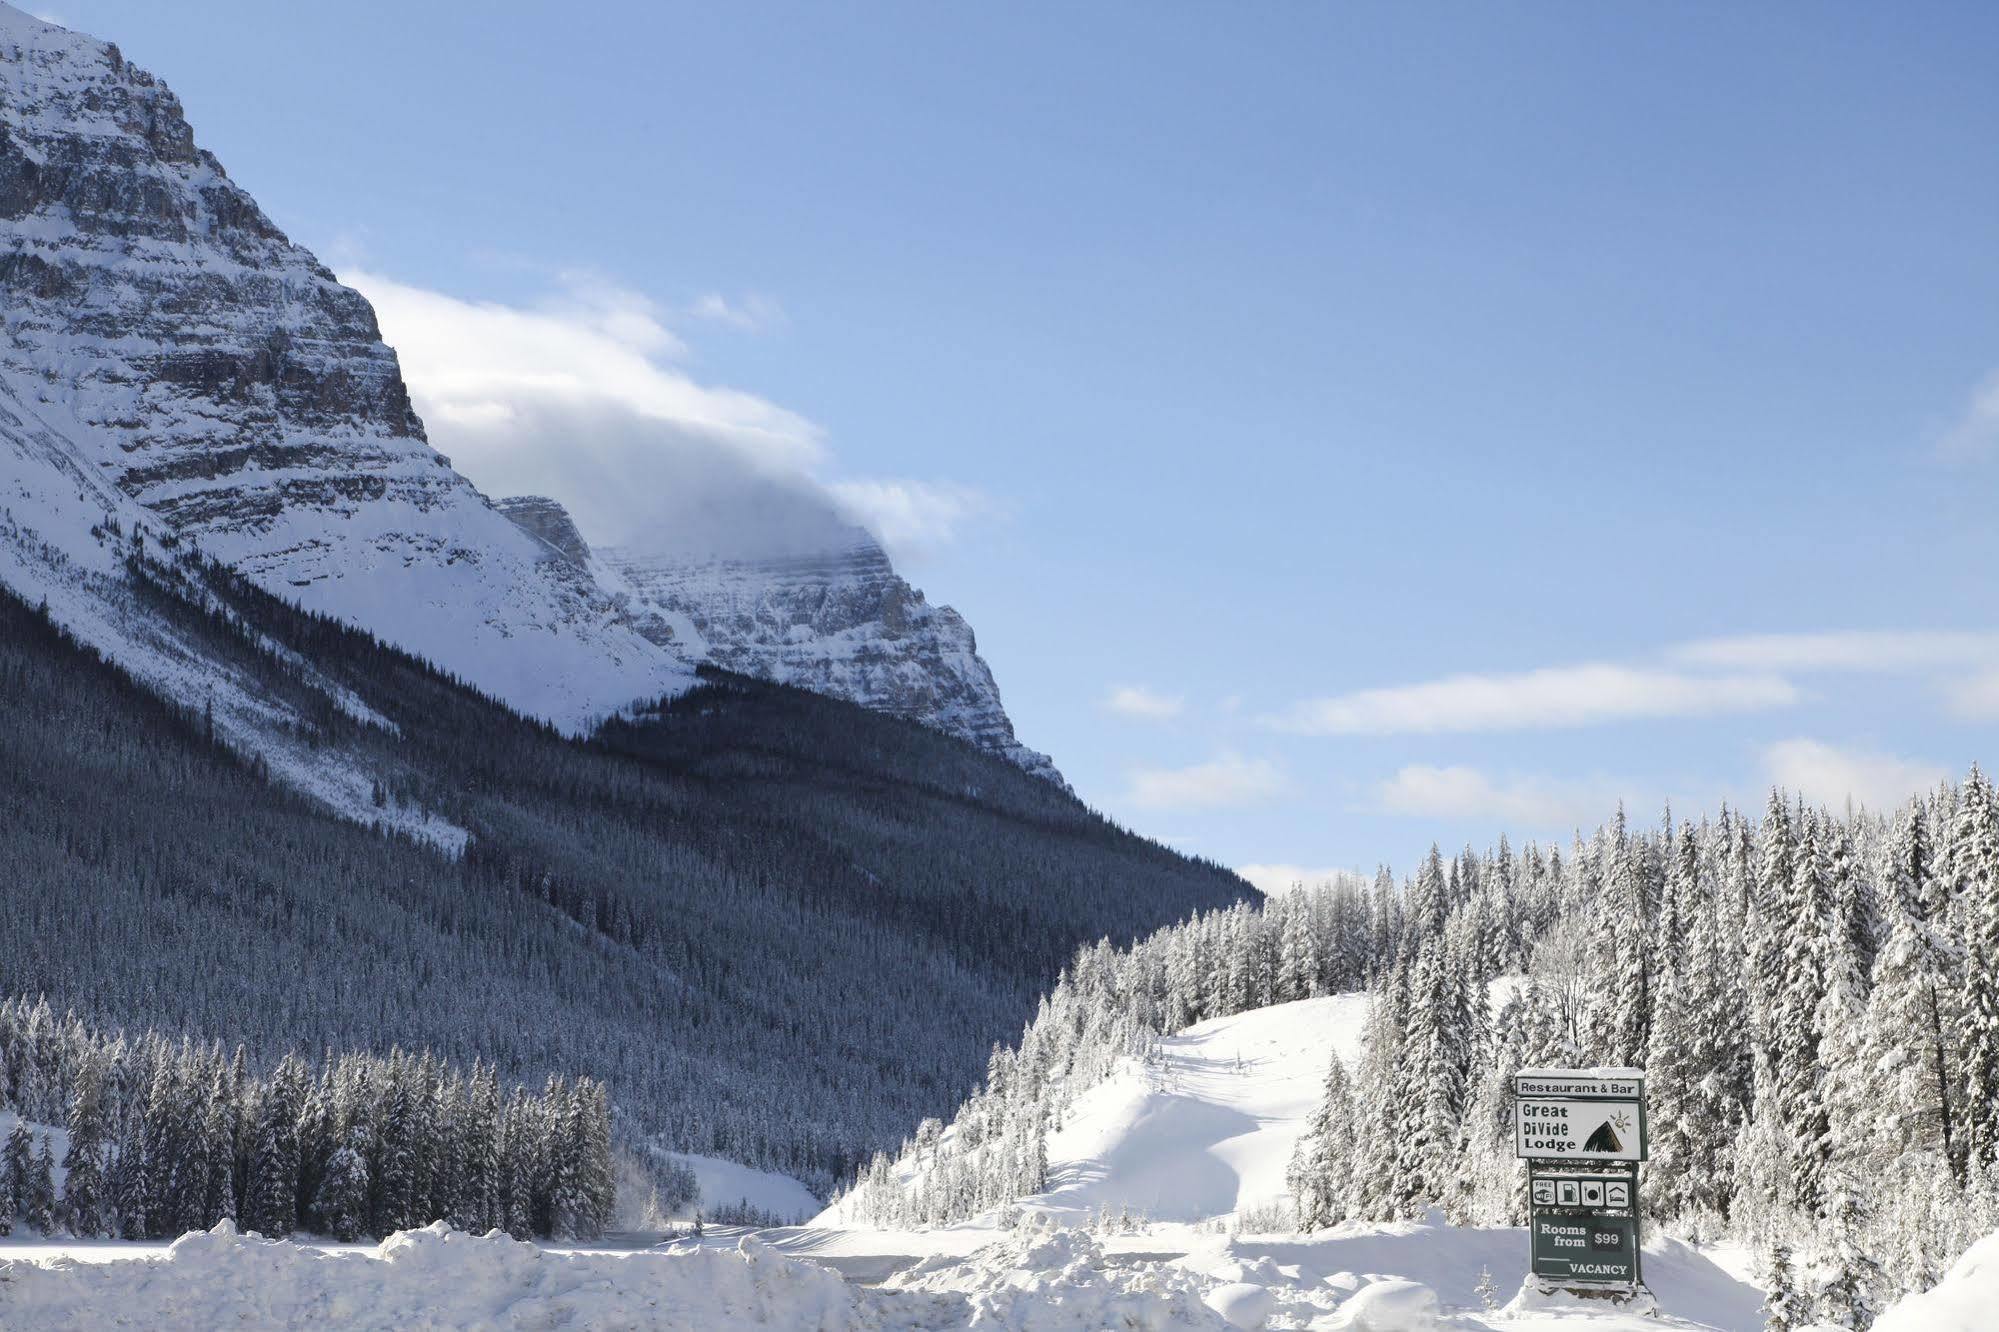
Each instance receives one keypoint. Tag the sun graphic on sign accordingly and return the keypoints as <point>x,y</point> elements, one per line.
<point>1606,1138</point>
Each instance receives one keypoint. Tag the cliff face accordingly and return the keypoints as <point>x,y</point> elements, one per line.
<point>219,376</point>
<point>162,341</point>
<point>842,623</point>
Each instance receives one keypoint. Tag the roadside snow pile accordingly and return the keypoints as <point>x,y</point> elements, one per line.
<point>1966,1300</point>
<point>1055,1280</point>
<point>438,1278</point>
<point>431,1278</point>
<point>1392,1306</point>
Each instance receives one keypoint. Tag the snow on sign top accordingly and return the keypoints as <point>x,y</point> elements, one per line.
<point>1621,1084</point>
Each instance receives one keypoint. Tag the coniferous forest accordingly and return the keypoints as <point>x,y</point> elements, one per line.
<point>775,927</point>
<point>162,1137</point>
<point>1814,1000</point>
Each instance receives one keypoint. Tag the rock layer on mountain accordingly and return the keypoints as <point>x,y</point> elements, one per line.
<point>220,376</point>
<point>163,338</point>
<point>840,622</point>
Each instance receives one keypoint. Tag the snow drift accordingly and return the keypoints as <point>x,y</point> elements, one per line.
<point>1966,1300</point>
<point>438,1278</point>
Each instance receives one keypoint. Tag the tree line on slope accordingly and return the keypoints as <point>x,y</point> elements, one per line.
<point>782,928</point>
<point>1111,1004</point>
<point>1814,1000</point>
<point>163,1137</point>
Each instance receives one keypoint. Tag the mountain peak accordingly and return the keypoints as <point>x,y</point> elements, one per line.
<point>195,359</point>
<point>831,615</point>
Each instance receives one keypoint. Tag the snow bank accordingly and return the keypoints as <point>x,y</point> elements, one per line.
<point>438,1278</point>
<point>1392,1306</point>
<point>1966,1300</point>
<point>724,1183</point>
<point>1055,1280</point>
<point>432,1278</point>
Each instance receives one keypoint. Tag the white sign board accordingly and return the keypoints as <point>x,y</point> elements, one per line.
<point>1579,1130</point>
<point>1614,1084</point>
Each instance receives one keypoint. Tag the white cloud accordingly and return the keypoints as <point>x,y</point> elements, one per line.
<point>1550,697</point>
<point>1976,698</point>
<point>1867,650</point>
<point>1975,435</point>
<point>1460,792</point>
<point>1144,704</point>
<point>1229,780</point>
<point>578,397</point>
<point>911,517</point>
<point>596,344</point>
<point>1270,880</point>
<point>1827,775</point>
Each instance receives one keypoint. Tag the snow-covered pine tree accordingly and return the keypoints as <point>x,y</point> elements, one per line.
<point>272,1203</point>
<point>1851,1294</point>
<point>1321,1170</point>
<point>86,1203</point>
<point>1785,1306</point>
<point>1972,866</point>
<point>341,1207</point>
<point>1807,960</point>
<point>17,1162</point>
<point>38,1202</point>
<point>1911,1018</point>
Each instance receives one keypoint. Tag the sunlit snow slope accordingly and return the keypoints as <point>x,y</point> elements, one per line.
<point>162,343</point>
<point>1207,1130</point>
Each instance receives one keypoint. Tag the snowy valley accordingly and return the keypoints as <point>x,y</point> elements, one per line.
<point>422,908</point>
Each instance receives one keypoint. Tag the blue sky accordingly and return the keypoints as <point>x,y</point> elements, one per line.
<point>1243,372</point>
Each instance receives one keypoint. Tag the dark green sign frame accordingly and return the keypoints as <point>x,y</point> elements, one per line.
<point>1580,1248</point>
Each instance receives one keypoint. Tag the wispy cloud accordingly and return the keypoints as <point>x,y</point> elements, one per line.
<point>1974,436</point>
<point>1559,696</point>
<point>1272,879</point>
<point>1861,650</point>
<point>1223,782</point>
<point>911,517</point>
<point>1143,703</point>
<point>1460,792</point>
<point>1829,775</point>
<point>580,396</point>
<point>749,314</point>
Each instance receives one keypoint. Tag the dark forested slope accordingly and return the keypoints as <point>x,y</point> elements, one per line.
<point>781,927</point>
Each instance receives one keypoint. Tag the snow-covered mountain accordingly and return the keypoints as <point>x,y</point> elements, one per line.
<point>170,354</point>
<point>837,621</point>
<point>165,342</point>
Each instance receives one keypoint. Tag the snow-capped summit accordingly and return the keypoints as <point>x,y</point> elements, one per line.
<point>838,621</point>
<point>163,339</point>
<point>203,365</point>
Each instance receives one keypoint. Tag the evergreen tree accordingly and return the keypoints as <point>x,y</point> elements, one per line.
<point>1851,1294</point>
<point>1973,869</point>
<point>17,1167</point>
<point>38,1202</point>
<point>1785,1307</point>
<point>1321,1169</point>
<point>86,1199</point>
<point>1911,1018</point>
<point>342,1204</point>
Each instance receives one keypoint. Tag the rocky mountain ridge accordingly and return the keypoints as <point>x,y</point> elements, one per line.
<point>168,355</point>
<point>221,378</point>
<point>840,622</point>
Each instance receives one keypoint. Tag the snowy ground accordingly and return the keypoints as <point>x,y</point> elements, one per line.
<point>1189,1142</point>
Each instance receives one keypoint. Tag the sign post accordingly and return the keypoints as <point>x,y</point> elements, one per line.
<point>1582,1133</point>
